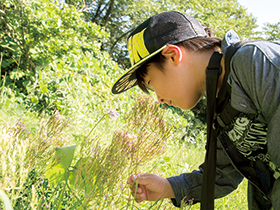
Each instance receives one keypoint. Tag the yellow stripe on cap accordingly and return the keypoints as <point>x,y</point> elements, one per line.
<point>136,47</point>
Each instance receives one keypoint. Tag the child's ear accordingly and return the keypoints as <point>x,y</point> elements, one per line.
<point>172,53</point>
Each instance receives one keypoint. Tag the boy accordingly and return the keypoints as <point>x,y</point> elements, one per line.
<point>170,53</point>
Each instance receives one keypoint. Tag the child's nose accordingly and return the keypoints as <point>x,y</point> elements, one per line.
<point>160,100</point>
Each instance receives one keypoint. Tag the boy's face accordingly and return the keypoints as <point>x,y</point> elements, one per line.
<point>179,84</point>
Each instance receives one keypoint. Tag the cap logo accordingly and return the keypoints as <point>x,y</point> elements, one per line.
<point>136,47</point>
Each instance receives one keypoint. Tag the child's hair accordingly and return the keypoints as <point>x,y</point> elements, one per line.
<point>192,45</point>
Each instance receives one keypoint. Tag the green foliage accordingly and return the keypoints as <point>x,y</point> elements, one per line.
<point>93,182</point>
<point>221,16</point>
<point>51,56</point>
<point>39,169</point>
<point>57,169</point>
<point>120,17</point>
<point>37,32</point>
<point>272,31</point>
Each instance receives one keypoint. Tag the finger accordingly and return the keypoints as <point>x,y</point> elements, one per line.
<point>133,188</point>
<point>139,189</point>
<point>131,179</point>
<point>140,197</point>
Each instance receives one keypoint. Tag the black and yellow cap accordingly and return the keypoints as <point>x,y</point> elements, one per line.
<point>151,37</point>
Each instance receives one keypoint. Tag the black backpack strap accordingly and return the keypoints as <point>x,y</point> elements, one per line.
<point>213,72</point>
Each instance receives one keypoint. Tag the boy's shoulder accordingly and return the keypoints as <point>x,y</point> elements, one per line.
<point>271,50</point>
<point>259,49</point>
<point>249,66</point>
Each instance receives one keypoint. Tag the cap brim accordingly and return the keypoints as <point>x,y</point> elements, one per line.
<point>128,79</point>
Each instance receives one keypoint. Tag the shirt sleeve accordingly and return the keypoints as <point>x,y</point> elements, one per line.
<point>187,186</point>
<point>256,72</point>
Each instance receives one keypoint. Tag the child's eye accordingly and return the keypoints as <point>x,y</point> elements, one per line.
<point>147,83</point>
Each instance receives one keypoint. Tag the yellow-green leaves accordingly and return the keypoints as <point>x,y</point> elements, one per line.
<point>57,169</point>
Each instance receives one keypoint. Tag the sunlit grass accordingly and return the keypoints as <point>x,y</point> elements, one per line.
<point>108,154</point>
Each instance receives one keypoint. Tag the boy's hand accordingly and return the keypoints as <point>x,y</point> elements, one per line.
<point>150,187</point>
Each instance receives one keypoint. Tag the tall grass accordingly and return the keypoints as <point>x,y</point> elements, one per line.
<point>45,165</point>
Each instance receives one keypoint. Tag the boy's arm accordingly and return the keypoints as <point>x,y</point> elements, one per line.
<point>149,187</point>
<point>187,186</point>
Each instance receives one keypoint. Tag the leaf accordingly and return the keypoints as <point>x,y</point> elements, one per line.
<point>59,66</point>
<point>167,159</point>
<point>37,69</point>
<point>5,64</point>
<point>43,87</point>
<point>56,170</point>
<point>25,83</point>
<point>6,201</point>
<point>34,100</point>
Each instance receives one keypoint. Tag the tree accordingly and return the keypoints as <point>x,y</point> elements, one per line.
<point>47,51</point>
<point>120,17</point>
<point>272,31</point>
<point>34,33</point>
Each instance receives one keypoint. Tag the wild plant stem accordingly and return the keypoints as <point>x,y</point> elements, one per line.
<point>136,186</point>
<point>2,93</point>
<point>95,125</point>
<point>62,192</point>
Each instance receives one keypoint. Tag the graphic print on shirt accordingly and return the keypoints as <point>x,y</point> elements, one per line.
<point>249,137</point>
